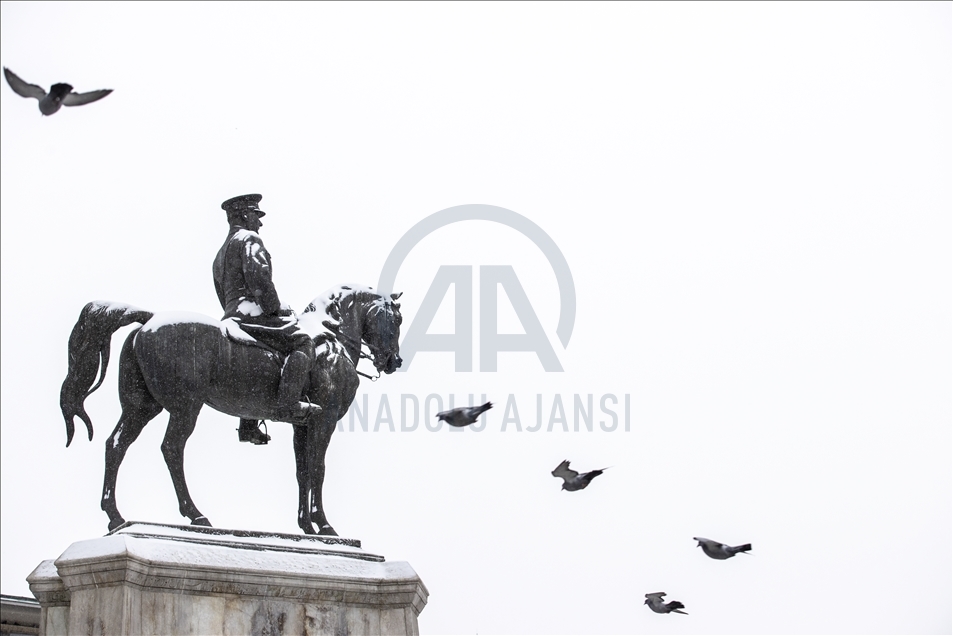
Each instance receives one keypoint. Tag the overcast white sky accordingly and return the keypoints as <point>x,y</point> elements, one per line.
<point>755,204</point>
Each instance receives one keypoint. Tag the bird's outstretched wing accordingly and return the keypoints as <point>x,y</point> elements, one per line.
<point>78,99</point>
<point>564,471</point>
<point>657,595</point>
<point>21,88</point>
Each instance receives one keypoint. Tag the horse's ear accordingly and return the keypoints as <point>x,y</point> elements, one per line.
<point>396,296</point>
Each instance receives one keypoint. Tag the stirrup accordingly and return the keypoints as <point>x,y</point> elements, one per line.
<point>255,435</point>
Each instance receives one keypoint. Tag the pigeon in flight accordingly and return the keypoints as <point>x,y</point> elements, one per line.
<point>573,480</point>
<point>464,415</point>
<point>720,551</point>
<point>59,95</point>
<point>657,605</point>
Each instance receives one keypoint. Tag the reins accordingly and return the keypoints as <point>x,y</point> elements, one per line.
<point>373,378</point>
<point>361,354</point>
<point>359,342</point>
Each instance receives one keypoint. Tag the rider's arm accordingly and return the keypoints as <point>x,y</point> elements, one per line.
<point>256,265</point>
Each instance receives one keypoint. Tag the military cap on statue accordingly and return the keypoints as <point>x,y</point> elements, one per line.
<point>244,202</point>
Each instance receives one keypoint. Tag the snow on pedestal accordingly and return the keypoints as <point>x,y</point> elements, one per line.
<point>161,579</point>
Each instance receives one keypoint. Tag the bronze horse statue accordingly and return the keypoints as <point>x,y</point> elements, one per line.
<point>182,361</point>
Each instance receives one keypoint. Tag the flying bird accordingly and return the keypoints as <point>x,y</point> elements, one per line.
<point>657,605</point>
<point>59,95</point>
<point>464,415</point>
<point>720,551</point>
<point>573,480</point>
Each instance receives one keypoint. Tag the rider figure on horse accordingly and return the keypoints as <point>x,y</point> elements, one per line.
<point>242,273</point>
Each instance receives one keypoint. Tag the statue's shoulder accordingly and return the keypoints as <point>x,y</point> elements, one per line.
<point>250,244</point>
<point>245,236</point>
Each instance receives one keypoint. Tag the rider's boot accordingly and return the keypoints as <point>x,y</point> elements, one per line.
<point>294,376</point>
<point>248,431</point>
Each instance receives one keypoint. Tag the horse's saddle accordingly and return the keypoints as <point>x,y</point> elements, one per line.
<point>232,330</point>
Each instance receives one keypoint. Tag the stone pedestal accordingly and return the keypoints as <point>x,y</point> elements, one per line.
<point>157,579</point>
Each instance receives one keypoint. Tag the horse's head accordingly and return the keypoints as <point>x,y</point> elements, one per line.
<point>357,314</point>
<point>381,332</point>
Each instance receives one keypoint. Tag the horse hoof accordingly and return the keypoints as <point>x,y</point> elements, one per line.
<point>328,531</point>
<point>201,521</point>
<point>115,523</point>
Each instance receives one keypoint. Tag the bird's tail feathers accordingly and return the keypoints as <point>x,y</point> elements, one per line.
<point>678,611</point>
<point>741,548</point>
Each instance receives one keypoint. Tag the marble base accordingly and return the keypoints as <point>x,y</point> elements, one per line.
<point>156,579</point>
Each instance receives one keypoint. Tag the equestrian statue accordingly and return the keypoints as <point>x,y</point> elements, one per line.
<point>260,362</point>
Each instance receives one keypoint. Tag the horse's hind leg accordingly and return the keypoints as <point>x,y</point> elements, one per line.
<point>131,423</point>
<point>138,408</point>
<point>181,425</point>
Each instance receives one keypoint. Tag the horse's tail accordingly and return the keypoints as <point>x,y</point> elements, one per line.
<point>89,352</point>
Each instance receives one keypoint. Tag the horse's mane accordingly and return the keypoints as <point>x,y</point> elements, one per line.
<point>324,314</point>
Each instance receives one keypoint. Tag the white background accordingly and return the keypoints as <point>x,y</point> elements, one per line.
<point>754,201</point>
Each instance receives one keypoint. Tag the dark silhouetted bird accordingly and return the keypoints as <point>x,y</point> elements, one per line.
<point>720,551</point>
<point>573,480</point>
<point>59,95</point>
<point>464,415</point>
<point>657,605</point>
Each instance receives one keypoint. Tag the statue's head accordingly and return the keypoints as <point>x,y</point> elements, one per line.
<point>244,211</point>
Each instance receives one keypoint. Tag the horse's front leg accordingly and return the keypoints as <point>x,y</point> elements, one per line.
<point>181,425</point>
<point>303,475</point>
<point>320,437</point>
